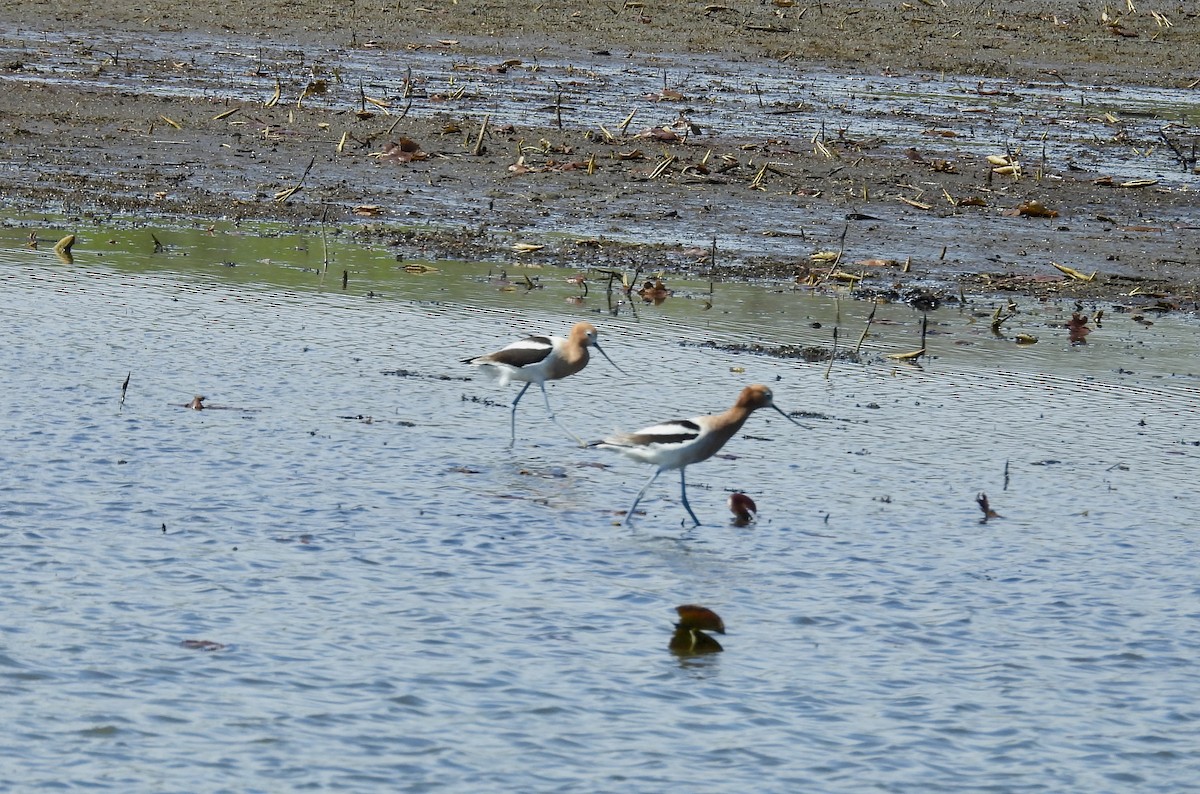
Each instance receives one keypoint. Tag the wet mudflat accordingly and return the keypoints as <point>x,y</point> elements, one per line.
<point>338,574</point>
<point>968,177</point>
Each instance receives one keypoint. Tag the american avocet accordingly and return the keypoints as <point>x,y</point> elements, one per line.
<point>538,359</point>
<point>689,638</point>
<point>680,443</point>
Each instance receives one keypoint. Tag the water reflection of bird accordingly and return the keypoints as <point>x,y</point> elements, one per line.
<point>682,442</point>
<point>743,509</point>
<point>538,359</point>
<point>689,638</point>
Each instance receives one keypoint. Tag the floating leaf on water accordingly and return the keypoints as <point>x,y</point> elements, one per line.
<point>416,267</point>
<point>1077,328</point>
<point>694,616</point>
<point>689,638</point>
<point>988,512</point>
<point>742,507</point>
<point>63,246</point>
<point>1025,339</point>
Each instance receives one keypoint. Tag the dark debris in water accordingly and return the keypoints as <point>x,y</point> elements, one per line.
<point>483,401</point>
<point>203,645</point>
<point>809,353</point>
<point>370,420</point>
<point>920,298</point>
<point>408,373</point>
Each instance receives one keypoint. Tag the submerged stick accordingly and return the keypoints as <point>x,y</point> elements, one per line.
<point>866,328</point>
<point>324,242</point>
<point>832,353</point>
<point>841,250</point>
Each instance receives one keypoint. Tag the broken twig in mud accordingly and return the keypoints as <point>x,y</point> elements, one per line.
<point>284,195</point>
<point>478,148</point>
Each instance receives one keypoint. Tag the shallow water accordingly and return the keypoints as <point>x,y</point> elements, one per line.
<point>407,603</point>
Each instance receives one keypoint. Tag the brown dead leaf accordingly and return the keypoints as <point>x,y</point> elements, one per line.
<point>406,150</point>
<point>1031,209</point>
<point>661,134</point>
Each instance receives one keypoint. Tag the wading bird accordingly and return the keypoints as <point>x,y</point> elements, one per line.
<point>682,442</point>
<point>538,359</point>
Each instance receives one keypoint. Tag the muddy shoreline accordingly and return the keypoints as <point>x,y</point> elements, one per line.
<point>927,148</point>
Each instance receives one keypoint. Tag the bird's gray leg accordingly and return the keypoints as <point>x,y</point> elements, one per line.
<point>642,493</point>
<point>513,439</point>
<point>554,419</point>
<point>683,493</point>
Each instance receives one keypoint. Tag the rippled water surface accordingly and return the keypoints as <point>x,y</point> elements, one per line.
<point>402,602</point>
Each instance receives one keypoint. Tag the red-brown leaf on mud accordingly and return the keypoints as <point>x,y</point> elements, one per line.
<point>661,134</point>
<point>667,95</point>
<point>406,150</point>
<point>1031,209</point>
